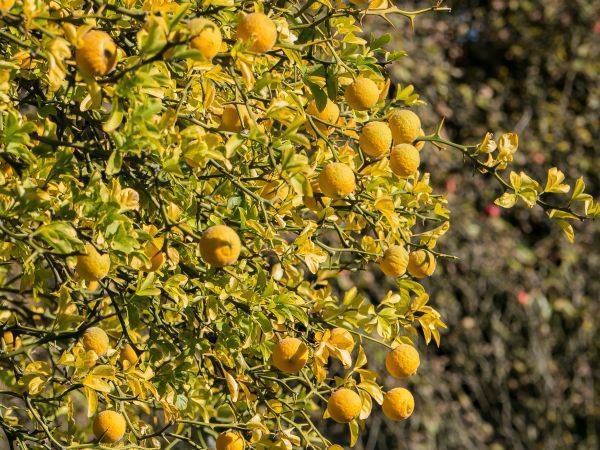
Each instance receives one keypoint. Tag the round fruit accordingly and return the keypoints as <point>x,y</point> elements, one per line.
<point>405,126</point>
<point>375,139</point>
<point>128,354</point>
<point>95,339</point>
<point>404,160</point>
<point>398,404</point>
<point>344,405</point>
<point>153,251</point>
<point>220,246</point>
<point>109,426</point>
<point>234,118</point>
<point>362,94</point>
<point>394,261</point>
<point>92,266</point>
<point>207,37</point>
<point>261,29</point>
<point>342,339</point>
<point>335,447</point>
<point>6,5</point>
<point>337,180</point>
<point>230,440</point>
<point>290,355</point>
<point>403,361</point>
<point>421,263</point>
<point>96,54</point>
<point>330,114</point>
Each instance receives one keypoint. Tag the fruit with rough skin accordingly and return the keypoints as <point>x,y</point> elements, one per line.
<point>404,160</point>
<point>96,54</point>
<point>128,354</point>
<point>290,355</point>
<point>405,126</point>
<point>421,263</point>
<point>330,115</point>
<point>259,28</point>
<point>403,361</point>
<point>394,261</point>
<point>6,5</point>
<point>92,266</point>
<point>375,139</point>
<point>398,404</point>
<point>207,38</point>
<point>96,339</point>
<point>337,180</point>
<point>220,246</point>
<point>109,426</point>
<point>230,440</point>
<point>235,118</point>
<point>362,94</point>
<point>344,405</point>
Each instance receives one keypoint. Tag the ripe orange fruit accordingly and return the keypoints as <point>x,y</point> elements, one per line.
<point>207,37</point>
<point>403,361</point>
<point>344,405</point>
<point>362,94</point>
<point>235,118</point>
<point>290,355</point>
<point>220,246</point>
<point>259,28</point>
<point>398,404</point>
<point>404,160</point>
<point>394,261</point>
<point>96,54</point>
<point>330,115</point>
<point>96,339</point>
<point>230,440</point>
<point>337,180</point>
<point>6,5</point>
<point>109,426</point>
<point>375,139</point>
<point>128,354</point>
<point>405,126</point>
<point>421,263</point>
<point>92,266</point>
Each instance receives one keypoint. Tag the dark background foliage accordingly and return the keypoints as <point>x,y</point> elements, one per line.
<point>518,367</point>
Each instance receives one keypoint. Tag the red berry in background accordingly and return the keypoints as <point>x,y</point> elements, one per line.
<point>451,185</point>
<point>597,27</point>
<point>492,210</point>
<point>523,297</point>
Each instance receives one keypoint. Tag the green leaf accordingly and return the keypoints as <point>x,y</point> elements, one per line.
<point>61,236</point>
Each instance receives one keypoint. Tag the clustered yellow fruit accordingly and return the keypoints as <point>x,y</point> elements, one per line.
<point>337,180</point>
<point>405,126</point>
<point>96,339</point>
<point>128,355</point>
<point>230,440</point>
<point>344,405</point>
<point>235,118</point>
<point>109,426</point>
<point>207,38</point>
<point>290,355</point>
<point>259,28</point>
<point>403,361</point>
<point>362,94</point>
<point>92,266</point>
<point>394,261</point>
<point>404,160</point>
<point>375,139</point>
<point>330,115</point>
<point>398,404</point>
<point>421,263</point>
<point>96,54</point>
<point>220,246</point>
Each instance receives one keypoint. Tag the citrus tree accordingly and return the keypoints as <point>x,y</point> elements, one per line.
<point>181,183</point>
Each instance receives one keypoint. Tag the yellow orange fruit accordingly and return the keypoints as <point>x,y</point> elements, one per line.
<point>11,341</point>
<point>109,426</point>
<point>344,405</point>
<point>230,440</point>
<point>153,251</point>
<point>421,263</point>
<point>394,261</point>
<point>220,246</point>
<point>405,126</point>
<point>403,361</point>
<point>337,180</point>
<point>362,94</point>
<point>398,404</point>
<point>96,54</point>
<point>235,118</point>
<point>128,354</point>
<point>207,38</point>
<point>96,339</point>
<point>260,29</point>
<point>404,160</point>
<point>330,115</point>
<point>6,5</point>
<point>92,266</point>
<point>375,139</point>
<point>335,447</point>
<point>290,355</point>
